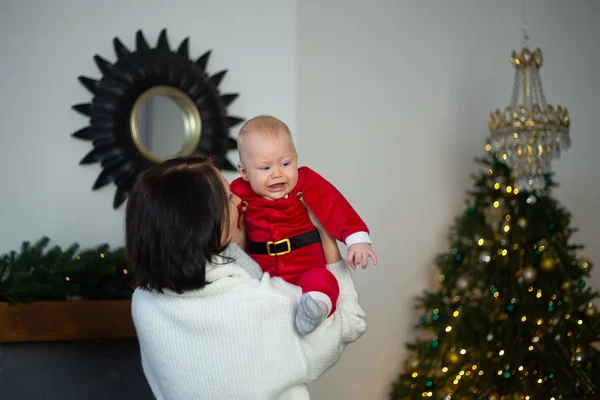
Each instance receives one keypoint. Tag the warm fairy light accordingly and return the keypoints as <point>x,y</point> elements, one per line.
<point>521,368</point>
<point>515,246</point>
<point>461,373</point>
<point>540,381</point>
<point>445,369</point>
<point>490,171</point>
<point>414,374</point>
<point>488,147</point>
<point>530,289</point>
<point>539,322</point>
<point>480,373</point>
<point>125,271</point>
<point>504,156</point>
<point>496,204</point>
<point>78,257</point>
<point>468,373</point>
<point>524,319</point>
<point>101,255</point>
<point>501,353</point>
<point>455,314</point>
<point>463,351</point>
<point>500,372</point>
<point>530,348</point>
<point>504,251</point>
<point>67,278</point>
<point>516,191</point>
<point>455,382</point>
<point>474,367</point>
<point>496,186</point>
<point>481,242</point>
<point>496,294</point>
<point>448,328</point>
<point>580,322</point>
<point>507,228</point>
<point>508,189</point>
<point>539,294</point>
<point>507,218</point>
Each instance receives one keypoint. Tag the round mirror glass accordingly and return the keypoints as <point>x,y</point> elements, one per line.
<point>165,124</point>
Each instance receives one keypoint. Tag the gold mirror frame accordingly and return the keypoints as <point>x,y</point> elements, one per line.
<point>126,84</point>
<point>191,118</point>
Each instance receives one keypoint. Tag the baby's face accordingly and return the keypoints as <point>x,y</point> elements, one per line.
<point>270,164</point>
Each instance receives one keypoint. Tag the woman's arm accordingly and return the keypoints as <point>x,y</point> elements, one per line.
<point>324,347</point>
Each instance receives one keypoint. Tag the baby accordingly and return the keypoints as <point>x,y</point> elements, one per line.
<point>280,236</point>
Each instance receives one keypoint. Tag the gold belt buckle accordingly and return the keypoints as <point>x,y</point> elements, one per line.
<point>289,247</point>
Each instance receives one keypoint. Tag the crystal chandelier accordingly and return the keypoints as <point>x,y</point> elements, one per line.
<point>529,134</point>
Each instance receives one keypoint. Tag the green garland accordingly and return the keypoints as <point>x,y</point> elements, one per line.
<point>39,273</point>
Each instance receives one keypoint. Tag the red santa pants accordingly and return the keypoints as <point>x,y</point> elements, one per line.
<point>317,279</point>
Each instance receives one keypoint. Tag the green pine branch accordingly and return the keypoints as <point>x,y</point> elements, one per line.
<point>39,273</point>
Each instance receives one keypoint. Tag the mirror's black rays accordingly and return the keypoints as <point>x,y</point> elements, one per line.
<point>218,77</point>
<point>202,61</point>
<point>84,133</point>
<point>140,42</point>
<point>183,49</point>
<point>233,121</point>
<point>227,99</point>
<point>120,50</point>
<point>163,41</point>
<point>83,108</point>
<point>89,83</point>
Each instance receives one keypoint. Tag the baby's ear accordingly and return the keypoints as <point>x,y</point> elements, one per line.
<point>242,171</point>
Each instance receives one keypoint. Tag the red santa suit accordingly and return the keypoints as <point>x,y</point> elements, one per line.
<point>270,222</point>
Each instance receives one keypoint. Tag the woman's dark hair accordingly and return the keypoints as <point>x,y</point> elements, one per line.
<point>175,219</point>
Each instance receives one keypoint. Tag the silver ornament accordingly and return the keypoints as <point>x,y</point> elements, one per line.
<point>484,257</point>
<point>462,283</point>
<point>531,199</point>
<point>529,274</point>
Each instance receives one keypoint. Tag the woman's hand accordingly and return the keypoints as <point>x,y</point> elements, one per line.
<point>330,247</point>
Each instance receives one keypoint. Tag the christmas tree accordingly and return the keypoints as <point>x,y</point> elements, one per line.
<point>513,317</point>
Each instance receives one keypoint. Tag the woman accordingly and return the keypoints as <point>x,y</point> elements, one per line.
<point>209,323</point>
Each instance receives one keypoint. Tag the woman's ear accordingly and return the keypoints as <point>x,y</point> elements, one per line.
<point>243,172</point>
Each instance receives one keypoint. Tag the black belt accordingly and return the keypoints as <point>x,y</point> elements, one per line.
<point>284,246</point>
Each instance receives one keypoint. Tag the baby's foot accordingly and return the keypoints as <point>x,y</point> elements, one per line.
<point>311,313</point>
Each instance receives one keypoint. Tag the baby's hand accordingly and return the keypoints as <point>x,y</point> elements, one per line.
<point>359,253</point>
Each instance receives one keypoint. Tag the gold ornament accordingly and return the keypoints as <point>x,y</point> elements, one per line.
<point>548,263</point>
<point>522,223</point>
<point>411,364</point>
<point>590,311</point>
<point>453,357</point>
<point>584,264</point>
<point>529,274</point>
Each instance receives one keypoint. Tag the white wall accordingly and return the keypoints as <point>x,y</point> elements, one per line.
<point>47,45</point>
<point>393,101</point>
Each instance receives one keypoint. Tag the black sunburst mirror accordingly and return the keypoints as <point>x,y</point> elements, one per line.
<point>151,105</point>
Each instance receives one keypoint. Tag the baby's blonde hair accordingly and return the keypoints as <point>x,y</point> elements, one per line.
<point>265,125</point>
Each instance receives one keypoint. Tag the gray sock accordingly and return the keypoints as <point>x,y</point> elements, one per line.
<point>311,313</point>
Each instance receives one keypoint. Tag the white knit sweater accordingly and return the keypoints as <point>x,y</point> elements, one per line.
<point>235,338</point>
